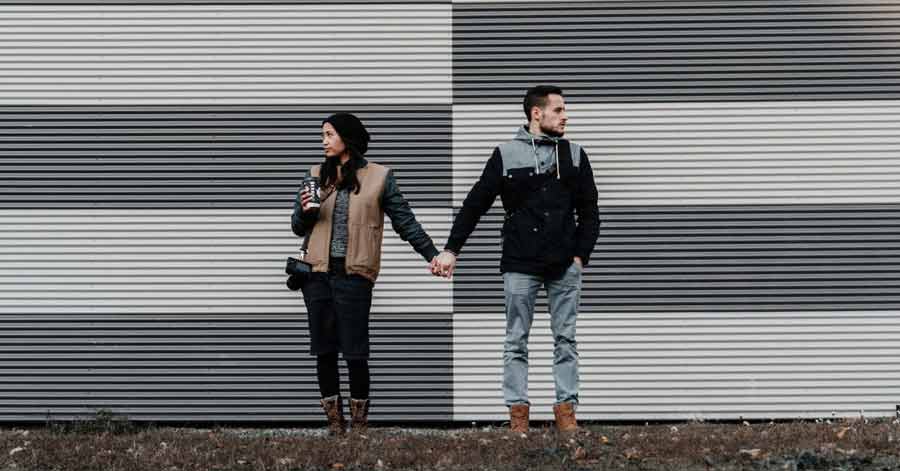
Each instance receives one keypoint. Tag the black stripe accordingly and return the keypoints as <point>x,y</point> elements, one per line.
<point>205,367</point>
<point>203,156</point>
<point>677,51</point>
<point>719,258</point>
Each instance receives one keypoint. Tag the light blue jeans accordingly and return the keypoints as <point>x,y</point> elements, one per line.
<point>564,296</point>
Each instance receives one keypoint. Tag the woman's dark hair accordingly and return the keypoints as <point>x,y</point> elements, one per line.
<point>356,138</point>
<point>329,173</point>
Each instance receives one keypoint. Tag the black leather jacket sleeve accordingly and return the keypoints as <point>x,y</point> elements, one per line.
<point>404,221</point>
<point>302,223</point>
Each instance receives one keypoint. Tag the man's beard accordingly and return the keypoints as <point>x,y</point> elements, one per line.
<point>551,132</point>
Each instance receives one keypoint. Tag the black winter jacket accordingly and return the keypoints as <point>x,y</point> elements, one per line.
<point>551,216</point>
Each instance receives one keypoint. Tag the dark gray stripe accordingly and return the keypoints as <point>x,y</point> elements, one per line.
<point>216,2</point>
<point>677,51</point>
<point>193,367</point>
<point>718,258</point>
<point>203,156</point>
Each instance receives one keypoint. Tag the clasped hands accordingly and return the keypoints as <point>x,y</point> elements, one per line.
<point>443,265</point>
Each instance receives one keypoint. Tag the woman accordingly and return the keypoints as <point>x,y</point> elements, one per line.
<point>345,235</point>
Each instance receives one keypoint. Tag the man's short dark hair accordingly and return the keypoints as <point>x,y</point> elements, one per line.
<point>537,96</point>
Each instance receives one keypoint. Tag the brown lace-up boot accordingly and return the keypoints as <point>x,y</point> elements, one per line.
<point>359,415</point>
<point>334,411</point>
<point>565,417</point>
<point>518,418</point>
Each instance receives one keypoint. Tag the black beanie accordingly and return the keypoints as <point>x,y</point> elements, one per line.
<point>351,129</point>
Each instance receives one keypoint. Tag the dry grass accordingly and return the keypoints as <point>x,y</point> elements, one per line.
<point>110,444</point>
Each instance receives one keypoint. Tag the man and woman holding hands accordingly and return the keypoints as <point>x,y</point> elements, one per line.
<point>552,223</point>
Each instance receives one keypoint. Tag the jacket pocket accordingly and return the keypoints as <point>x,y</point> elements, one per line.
<point>364,249</point>
<point>520,236</point>
<point>522,179</point>
<point>317,250</point>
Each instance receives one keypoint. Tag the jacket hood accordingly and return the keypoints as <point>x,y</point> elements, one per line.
<point>522,134</point>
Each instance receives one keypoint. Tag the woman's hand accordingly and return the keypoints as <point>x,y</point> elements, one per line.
<point>305,199</point>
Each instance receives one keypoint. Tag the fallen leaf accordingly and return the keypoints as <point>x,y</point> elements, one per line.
<point>754,453</point>
<point>842,432</point>
<point>580,453</point>
<point>16,450</point>
<point>337,466</point>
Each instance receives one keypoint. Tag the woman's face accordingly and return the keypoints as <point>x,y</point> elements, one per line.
<point>332,142</point>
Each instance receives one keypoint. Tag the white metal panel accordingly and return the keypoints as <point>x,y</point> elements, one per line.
<point>712,153</point>
<point>225,54</point>
<point>638,365</point>
<point>213,259</point>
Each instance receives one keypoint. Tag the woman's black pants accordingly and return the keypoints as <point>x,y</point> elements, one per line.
<point>338,308</point>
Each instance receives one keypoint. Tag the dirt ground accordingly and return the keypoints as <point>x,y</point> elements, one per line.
<point>119,445</point>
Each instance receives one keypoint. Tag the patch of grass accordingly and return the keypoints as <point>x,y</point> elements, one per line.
<point>104,421</point>
<point>856,445</point>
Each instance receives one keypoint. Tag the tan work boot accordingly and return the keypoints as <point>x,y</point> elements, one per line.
<point>565,417</point>
<point>518,418</point>
<point>359,415</point>
<point>334,411</point>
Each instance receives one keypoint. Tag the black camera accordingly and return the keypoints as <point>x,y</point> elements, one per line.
<point>299,272</point>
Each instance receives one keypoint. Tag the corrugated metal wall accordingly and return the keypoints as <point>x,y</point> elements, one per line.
<point>745,151</point>
<point>746,158</point>
<point>149,162</point>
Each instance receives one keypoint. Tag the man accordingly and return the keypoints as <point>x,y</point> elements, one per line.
<point>544,182</point>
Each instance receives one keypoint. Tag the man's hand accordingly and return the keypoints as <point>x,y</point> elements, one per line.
<point>579,262</point>
<point>444,264</point>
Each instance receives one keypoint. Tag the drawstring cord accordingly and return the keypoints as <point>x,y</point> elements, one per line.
<point>557,161</point>
<point>537,168</point>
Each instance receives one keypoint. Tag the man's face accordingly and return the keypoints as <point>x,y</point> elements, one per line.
<point>552,118</point>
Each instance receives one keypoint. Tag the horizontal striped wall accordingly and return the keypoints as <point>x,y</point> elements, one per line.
<point>143,266</point>
<point>744,152</point>
<point>646,51</point>
<point>151,153</point>
<point>722,153</point>
<point>174,314</point>
<point>202,155</point>
<point>185,53</point>
<point>746,164</point>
